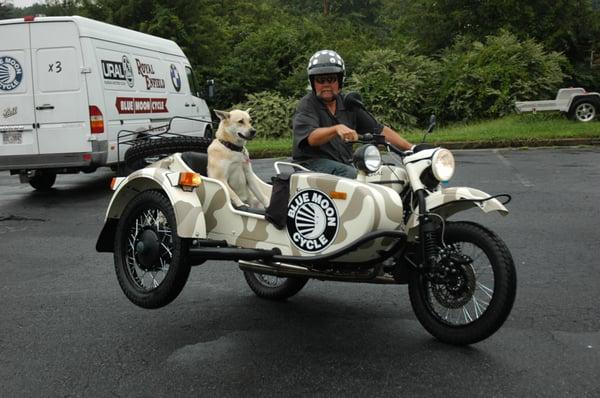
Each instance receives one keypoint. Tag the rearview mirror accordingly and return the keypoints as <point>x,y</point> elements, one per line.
<point>210,88</point>
<point>431,126</point>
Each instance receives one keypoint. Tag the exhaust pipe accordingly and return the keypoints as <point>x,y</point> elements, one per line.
<point>284,270</point>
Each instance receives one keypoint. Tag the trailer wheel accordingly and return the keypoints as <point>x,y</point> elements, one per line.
<point>151,150</point>
<point>43,180</point>
<point>584,109</point>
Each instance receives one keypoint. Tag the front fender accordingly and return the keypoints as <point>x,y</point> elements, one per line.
<point>449,201</point>
<point>188,209</point>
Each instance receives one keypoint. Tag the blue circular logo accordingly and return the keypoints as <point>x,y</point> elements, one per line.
<point>175,78</point>
<point>11,73</point>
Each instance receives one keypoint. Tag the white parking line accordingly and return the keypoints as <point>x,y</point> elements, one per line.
<point>522,179</point>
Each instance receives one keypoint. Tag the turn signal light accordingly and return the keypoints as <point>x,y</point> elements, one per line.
<point>338,195</point>
<point>115,182</point>
<point>189,179</point>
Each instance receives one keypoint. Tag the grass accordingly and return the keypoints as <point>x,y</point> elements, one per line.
<point>519,130</point>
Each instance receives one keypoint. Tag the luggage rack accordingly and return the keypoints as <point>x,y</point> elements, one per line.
<point>131,138</point>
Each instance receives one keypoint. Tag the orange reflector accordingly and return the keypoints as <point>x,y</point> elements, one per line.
<point>189,179</point>
<point>113,183</point>
<point>338,195</point>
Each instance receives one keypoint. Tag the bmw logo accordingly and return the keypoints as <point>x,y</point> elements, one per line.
<point>11,73</point>
<point>312,220</point>
<point>175,78</point>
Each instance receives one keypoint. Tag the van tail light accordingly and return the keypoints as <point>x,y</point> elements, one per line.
<point>96,120</point>
<point>29,18</point>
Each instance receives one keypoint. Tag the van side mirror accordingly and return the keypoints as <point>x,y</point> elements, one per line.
<point>210,88</point>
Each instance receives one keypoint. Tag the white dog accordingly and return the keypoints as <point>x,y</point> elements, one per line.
<point>229,161</point>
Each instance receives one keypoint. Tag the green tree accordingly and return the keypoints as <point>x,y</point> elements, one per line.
<point>6,10</point>
<point>397,87</point>
<point>482,80</point>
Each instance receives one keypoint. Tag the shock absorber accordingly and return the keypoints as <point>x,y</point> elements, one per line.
<point>427,233</point>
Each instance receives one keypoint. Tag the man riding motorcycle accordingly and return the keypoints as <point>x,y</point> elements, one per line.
<point>323,125</point>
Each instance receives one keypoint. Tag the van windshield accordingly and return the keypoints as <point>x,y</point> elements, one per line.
<point>192,81</point>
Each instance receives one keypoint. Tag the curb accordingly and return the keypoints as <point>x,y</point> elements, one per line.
<point>523,143</point>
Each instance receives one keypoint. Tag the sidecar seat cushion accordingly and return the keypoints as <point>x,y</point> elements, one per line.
<point>276,212</point>
<point>197,161</point>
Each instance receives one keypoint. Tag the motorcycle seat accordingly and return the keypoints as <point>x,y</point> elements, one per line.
<point>197,161</point>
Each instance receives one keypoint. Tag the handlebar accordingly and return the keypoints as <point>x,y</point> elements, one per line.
<point>379,139</point>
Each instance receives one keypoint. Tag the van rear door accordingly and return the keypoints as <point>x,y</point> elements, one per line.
<point>17,117</point>
<point>61,103</point>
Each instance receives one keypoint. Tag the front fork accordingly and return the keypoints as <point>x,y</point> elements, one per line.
<point>428,236</point>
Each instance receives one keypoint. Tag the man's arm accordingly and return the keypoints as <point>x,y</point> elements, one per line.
<point>395,139</point>
<point>323,135</point>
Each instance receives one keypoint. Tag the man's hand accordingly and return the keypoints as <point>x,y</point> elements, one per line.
<point>346,133</point>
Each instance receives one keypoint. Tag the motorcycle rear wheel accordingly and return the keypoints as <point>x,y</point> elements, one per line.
<point>273,287</point>
<point>150,258</point>
<point>473,304</point>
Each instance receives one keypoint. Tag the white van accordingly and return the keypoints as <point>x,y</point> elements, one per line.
<point>68,85</point>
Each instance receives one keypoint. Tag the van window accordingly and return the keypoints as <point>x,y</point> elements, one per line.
<point>192,81</point>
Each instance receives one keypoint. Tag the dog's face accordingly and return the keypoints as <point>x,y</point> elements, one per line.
<point>235,126</point>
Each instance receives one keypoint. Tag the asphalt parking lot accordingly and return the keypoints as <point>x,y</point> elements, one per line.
<point>66,329</point>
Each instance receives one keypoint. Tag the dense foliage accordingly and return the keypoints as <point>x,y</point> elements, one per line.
<point>463,60</point>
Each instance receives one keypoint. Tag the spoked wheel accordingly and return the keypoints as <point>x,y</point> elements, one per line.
<point>150,259</point>
<point>471,294</point>
<point>273,287</point>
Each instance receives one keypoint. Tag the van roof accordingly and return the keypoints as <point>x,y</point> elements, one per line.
<point>103,31</point>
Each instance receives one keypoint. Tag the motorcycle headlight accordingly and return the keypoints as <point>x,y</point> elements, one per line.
<point>442,165</point>
<point>367,158</point>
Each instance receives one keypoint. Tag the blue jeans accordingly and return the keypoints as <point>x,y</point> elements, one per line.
<point>330,167</point>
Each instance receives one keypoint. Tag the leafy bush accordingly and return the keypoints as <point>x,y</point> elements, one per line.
<point>481,80</point>
<point>397,87</point>
<point>271,113</point>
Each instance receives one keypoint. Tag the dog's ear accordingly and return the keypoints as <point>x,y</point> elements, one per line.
<point>222,115</point>
<point>248,110</point>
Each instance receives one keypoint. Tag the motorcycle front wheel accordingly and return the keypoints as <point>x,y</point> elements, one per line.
<point>273,287</point>
<point>472,297</point>
<point>150,259</point>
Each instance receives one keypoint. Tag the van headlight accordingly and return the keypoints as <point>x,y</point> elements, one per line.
<point>367,158</point>
<point>442,165</point>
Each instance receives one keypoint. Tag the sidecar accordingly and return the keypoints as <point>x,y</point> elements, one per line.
<point>171,215</point>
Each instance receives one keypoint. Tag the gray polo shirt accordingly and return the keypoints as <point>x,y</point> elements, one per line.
<point>311,114</point>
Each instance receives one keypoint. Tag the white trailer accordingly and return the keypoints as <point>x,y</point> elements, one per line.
<point>575,102</point>
<point>68,85</point>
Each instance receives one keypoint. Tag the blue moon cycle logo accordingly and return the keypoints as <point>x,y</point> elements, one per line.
<point>312,220</point>
<point>11,73</point>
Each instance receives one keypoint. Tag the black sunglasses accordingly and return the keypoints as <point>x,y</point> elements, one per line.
<point>326,79</point>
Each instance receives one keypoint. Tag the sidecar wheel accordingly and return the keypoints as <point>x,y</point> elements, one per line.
<point>273,287</point>
<point>150,259</point>
<point>476,297</point>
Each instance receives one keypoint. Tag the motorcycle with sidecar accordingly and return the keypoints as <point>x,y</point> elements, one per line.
<point>388,226</point>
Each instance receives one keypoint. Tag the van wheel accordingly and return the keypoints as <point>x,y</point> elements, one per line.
<point>43,180</point>
<point>149,151</point>
<point>584,110</point>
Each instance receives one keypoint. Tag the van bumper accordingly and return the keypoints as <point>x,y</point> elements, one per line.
<point>96,158</point>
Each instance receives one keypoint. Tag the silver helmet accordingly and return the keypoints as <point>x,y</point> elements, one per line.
<point>326,62</point>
